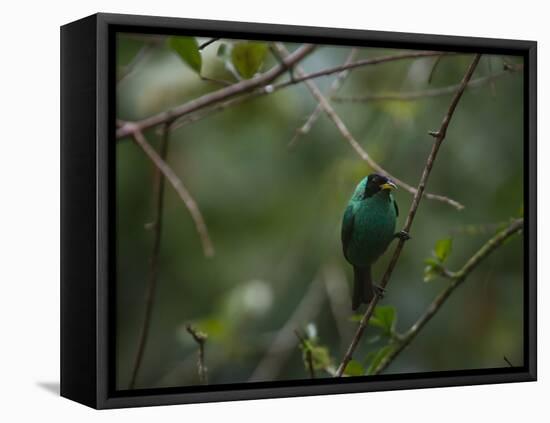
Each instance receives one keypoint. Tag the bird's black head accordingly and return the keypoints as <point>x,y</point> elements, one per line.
<point>376,183</point>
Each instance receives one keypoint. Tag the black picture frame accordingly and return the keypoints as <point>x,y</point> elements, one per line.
<point>87,201</point>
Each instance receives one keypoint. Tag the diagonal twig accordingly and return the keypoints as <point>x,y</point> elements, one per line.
<point>271,88</point>
<point>439,137</point>
<point>342,128</point>
<point>338,300</point>
<point>457,278</point>
<point>129,128</point>
<point>415,95</point>
<point>138,58</point>
<point>259,85</point>
<point>182,191</point>
<point>335,86</point>
<point>433,69</point>
<point>281,348</point>
<point>368,62</point>
<point>207,43</point>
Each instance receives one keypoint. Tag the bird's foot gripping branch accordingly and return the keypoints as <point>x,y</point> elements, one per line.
<point>402,235</point>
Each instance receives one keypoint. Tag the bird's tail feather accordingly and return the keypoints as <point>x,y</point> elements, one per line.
<point>363,290</point>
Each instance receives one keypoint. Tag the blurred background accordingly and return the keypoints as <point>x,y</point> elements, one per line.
<point>274,211</point>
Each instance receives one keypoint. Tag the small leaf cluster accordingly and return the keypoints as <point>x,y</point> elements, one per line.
<point>243,58</point>
<point>311,347</point>
<point>247,57</point>
<point>384,318</point>
<point>435,263</point>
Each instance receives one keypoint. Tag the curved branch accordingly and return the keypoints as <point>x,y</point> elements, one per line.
<point>334,87</point>
<point>177,184</point>
<point>439,137</point>
<point>456,280</point>
<point>342,128</point>
<point>244,90</point>
<point>129,128</point>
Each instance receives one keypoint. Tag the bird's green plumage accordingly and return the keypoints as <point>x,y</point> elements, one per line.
<point>368,227</point>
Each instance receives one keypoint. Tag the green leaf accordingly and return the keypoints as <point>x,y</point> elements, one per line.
<point>320,357</point>
<point>443,249</point>
<point>378,357</point>
<point>430,273</point>
<point>188,50</point>
<point>212,326</point>
<point>247,57</point>
<point>433,268</point>
<point>384,317</point>
<point>354,368</point>
<point>222,51</point>
<point>432,261</point>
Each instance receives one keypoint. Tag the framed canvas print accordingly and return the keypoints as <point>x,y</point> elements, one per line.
<point>255,211</point>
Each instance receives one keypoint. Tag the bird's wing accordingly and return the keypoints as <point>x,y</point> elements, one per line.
<point>396,208</point>
<point>347,227</point>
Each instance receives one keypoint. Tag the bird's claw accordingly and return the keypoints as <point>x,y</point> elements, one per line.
<point>381,292</point>
<point>402,235</point>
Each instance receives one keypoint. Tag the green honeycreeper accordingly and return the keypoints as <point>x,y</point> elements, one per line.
<point>368,228</point>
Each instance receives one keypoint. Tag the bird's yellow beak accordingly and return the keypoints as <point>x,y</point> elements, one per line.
<point>388,185</point>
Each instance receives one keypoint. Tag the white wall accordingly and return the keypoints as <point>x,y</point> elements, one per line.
<point>29,167</point>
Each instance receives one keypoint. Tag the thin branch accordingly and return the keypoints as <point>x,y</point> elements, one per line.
<point>492,83</point>
<point>439,137</point>
<point>368,62</point>
<point>284,342</point>
<point>415,95</point>
<point>271,88</point>
<point>307,352</point>
<point>137,59</point>
<point>244,90</point>
<point>200,338</point>
<point>156,226</point>
<point>335,86</point>
<point>338,299</point>
<point>508,361</point>
<point>457,278</point>
<point>280,59</point>
<point>207,43</point>
<point>182,191</point>
<point>344,131</point>
<point>216,81</point>
<point>434,67</point>
<point>208,99</point>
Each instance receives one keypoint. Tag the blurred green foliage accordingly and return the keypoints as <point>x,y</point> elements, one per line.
<point>248,57</point>
<point>274,215</point>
